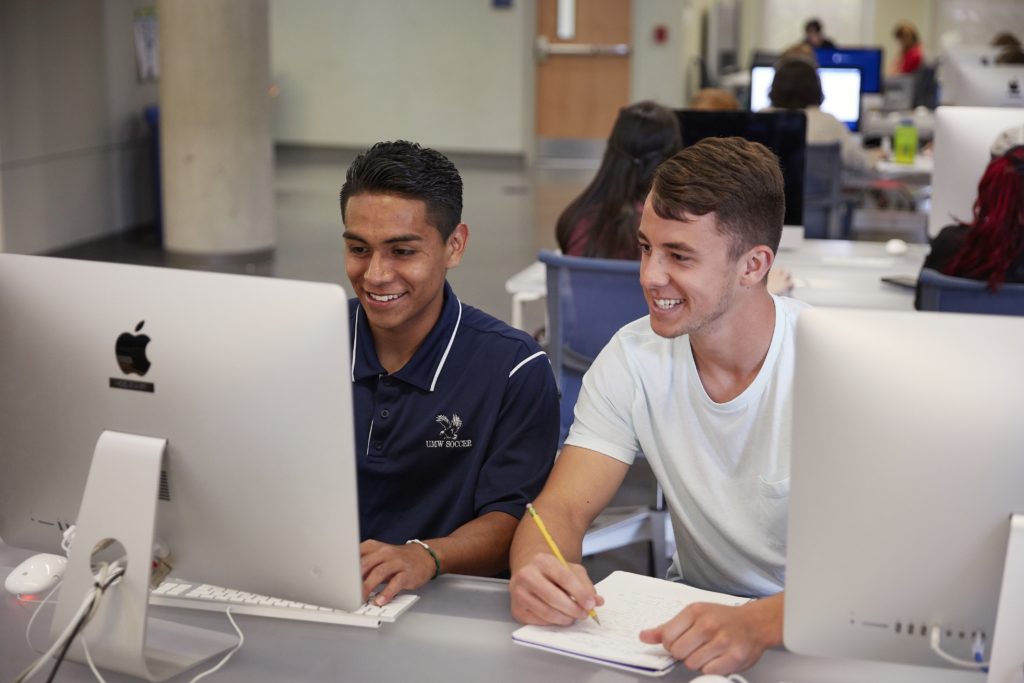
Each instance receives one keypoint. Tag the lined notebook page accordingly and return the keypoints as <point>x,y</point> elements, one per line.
<point>632,603</point>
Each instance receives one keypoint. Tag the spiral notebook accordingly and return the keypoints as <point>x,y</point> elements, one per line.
<point>632,603</point>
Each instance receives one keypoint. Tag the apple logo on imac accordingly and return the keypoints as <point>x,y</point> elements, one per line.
<point>131,352</point>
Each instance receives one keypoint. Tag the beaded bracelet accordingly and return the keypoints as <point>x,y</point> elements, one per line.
<point>437,562</point>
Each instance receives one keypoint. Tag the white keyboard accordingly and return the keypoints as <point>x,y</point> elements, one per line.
<point>185,594</point>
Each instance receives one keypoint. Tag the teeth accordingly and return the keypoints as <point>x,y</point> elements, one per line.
<point>383,297</point>
<point>667,303</point>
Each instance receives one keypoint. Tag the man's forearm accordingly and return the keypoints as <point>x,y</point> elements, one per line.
<point>478,547</point>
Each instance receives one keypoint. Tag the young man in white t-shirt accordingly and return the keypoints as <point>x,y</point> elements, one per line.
<point>702,387</point>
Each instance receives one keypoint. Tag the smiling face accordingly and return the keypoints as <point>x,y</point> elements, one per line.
<point>397,262</point>
<point>687,272</point>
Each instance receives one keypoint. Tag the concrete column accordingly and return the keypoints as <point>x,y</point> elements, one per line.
<point>217,151</point>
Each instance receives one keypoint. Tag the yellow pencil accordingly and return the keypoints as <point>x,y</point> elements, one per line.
<point>554,548</point>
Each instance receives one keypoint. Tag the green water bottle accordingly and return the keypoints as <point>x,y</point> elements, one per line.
<point>904,142</point>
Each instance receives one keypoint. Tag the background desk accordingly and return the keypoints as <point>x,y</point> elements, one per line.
<point>825,272</point>
<point>460,630</point>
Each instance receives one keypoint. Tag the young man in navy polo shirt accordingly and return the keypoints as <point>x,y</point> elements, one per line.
<point>456,413</point>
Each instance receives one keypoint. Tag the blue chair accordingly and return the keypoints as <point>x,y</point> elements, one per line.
<point>941,292</point>
<point>823,191</point>
<point>588,300</point>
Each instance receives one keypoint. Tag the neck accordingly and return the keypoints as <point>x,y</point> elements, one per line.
<point>731,352</point>
<point>396,346</point>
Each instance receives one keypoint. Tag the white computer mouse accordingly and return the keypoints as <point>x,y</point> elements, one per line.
<point>38,574</point>
<point>896,247</point>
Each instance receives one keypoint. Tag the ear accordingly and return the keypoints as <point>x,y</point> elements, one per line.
<point>456,245</point>
<point>755,265</point>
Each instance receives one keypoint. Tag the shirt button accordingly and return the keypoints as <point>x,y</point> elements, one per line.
<point>387,381</point>
<point>378,445</point>
<point>384,413</point>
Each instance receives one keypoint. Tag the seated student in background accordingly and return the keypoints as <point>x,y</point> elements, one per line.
<point>714,99</point>
<point>456,413</point>
<point>703,388</point>
<point>814,35</point>
<point>991,246</point>
<point>911,56</point>
<point>602,221</point>
<point>796,86</point>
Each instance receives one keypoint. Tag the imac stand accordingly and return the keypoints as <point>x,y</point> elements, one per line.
<point>119,503</point>
<point>1007,663</point>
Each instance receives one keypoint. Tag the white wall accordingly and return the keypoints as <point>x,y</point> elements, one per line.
<point>446,73</point>
<point>70,156</point>
<point>658,70</point>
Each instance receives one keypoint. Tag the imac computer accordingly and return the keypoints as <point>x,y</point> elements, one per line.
<point>840,85</point>
<point>210,411</point>
<point>906,532</point>
<point>962,142</point>
<point>979,85</point>
<point>783,132</point>
<point>868,59</point>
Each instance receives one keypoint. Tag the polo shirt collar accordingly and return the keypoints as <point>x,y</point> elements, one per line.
<point>426,364</point>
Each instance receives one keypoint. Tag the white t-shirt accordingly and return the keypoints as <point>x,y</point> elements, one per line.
<point>724,467</point>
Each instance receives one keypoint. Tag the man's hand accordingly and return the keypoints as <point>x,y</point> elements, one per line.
<point>716,639</point>
<point>401,567</point>
<point>546,592</point>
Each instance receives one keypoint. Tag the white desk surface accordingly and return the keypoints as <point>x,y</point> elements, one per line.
<point>460,630</point>
<point>839,273</point>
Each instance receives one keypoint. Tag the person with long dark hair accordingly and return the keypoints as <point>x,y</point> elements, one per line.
<point>991,246</point>
<point>603,220</point>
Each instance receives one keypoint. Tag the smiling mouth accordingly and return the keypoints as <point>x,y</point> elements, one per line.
<point>384,298</point>
<point>666,304</point>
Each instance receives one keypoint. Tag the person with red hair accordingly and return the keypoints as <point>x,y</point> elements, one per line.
<point>991,246</point>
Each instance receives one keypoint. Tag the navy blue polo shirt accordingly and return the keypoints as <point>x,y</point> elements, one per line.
<point>468,426</point>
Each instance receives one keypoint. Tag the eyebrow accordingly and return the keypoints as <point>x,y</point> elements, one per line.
<point>391,240</point>
<point>673,246</point>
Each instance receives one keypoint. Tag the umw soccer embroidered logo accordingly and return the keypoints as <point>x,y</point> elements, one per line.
<point>449,428</point>
<point>449,433</point>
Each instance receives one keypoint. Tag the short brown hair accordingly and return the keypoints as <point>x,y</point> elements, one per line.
<point>740,181</point>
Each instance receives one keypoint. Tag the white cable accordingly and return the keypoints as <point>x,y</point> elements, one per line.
<point>936,645</point>
<point>92,666</point>
<point>84,608</point>
<point>32,619</point>
<point>236,648</point>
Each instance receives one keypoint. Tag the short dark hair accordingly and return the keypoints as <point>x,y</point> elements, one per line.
<point>796,85</point>
<point>405,169</point>
<point>812,25</point>
<point>739,180</point>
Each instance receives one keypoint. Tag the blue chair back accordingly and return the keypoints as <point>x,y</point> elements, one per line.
<point>822,190</point>
<point>588,299</point>
<point>941,292</point>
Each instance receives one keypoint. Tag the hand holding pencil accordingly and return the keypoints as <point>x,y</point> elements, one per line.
<point>554,547</point>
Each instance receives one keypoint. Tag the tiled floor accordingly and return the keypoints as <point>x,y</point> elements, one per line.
<point>510,208</point>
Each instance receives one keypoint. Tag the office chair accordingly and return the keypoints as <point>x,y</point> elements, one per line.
<point>941,292</point>
<point>588,300</point>
<point>822,191</point>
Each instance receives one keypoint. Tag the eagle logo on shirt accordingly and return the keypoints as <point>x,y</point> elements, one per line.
<point>449,428</point>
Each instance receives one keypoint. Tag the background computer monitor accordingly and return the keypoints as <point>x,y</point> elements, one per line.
<point>248,382</point>
<point>840,85</point>
<point>868,59</point>
<point>977,85</point>
<point>963,138</point>
<point>906,466</point>
<point>783,132</point>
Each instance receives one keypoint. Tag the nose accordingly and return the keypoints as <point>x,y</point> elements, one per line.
<point>652,271</point>
<point>378,271</point>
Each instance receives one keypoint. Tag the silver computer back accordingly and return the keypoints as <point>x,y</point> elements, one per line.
<point>249,384</point>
